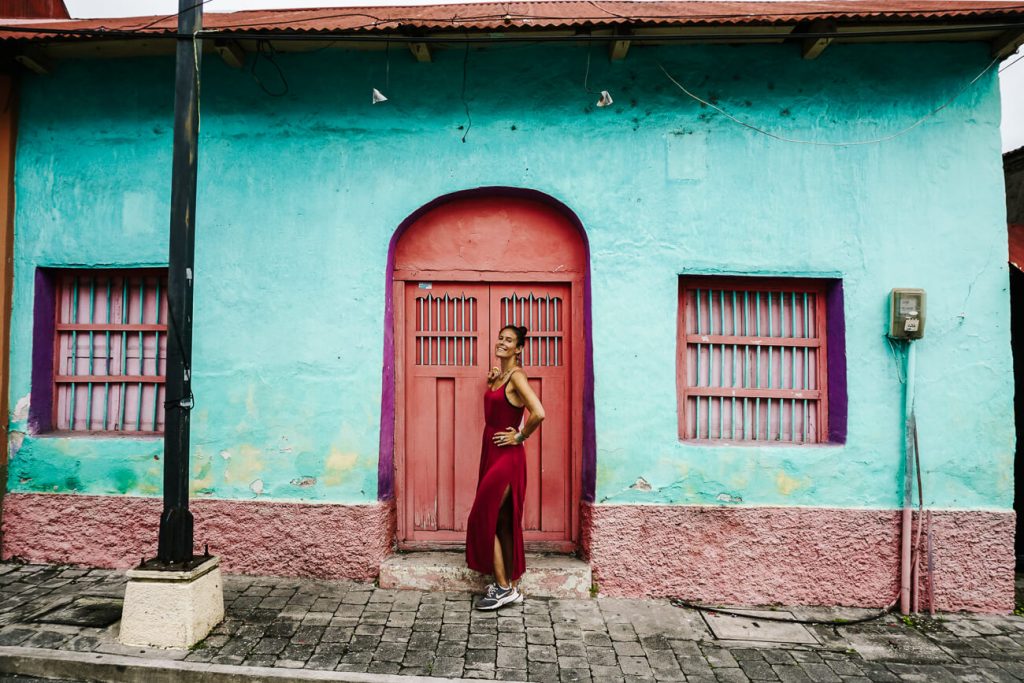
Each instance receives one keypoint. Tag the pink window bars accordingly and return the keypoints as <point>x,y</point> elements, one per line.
<point>110,351</point>
<point>751,362</point>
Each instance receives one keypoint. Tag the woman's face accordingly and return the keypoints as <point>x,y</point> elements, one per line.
<point>507,344</point>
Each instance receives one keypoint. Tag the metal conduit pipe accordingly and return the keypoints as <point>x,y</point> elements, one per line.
<point>908,476</point>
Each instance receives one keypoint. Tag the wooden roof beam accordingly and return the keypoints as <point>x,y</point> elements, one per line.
<point>231,52</point>
<point>618,49</point>
<point>421,51</point>
<point>1006,43</point>
<point>812,47</point>
<point>34,61</point>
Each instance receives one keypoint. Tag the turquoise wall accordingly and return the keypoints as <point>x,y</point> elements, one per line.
<point>300,194</point>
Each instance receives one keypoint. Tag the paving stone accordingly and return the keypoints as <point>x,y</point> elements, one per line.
<point>297,652</point>
<point>510,674</point>
<point>597,639</point>
<point>603,656</point>
<point>629,649</point>
<point>668,674</point>
<point>636,666</point>
<point>390,652</point>
<point>474,657</point>
<point>451,648</point>
<point>15,636</point>
<point>454,631</point>
<point>512,639</point>
<point>819,673</point>
<point>396,635</point>
<point>259,660</point>
<point>758,669</point>
<point>544,672</point>
<point>448,667</point>
<point>574,675</point>
<point>330,649</point>
<point>731,675</point>
<point>662,659</point>
<point>511,658</point>
<point>541,653</point>
<point>540,636</point>
<point>422,658</point>
<point>481,641</point>
<point>695,666</point>
<point>720,658</point>
<point>379,667</point>
<point>606,674</point>
<point>270,646</point>
<point>423,640</point>
<point>791,673</point>
<point>571,648</point>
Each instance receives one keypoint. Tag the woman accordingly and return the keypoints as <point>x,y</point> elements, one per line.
<point>494,533</point>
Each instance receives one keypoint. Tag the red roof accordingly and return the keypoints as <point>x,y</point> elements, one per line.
<point>552,15</point>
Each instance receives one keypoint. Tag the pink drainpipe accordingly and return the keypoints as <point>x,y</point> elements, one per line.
<point>908,476</point>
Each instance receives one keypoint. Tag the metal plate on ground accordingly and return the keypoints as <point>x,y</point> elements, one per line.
<point>752,627</point>
<point>97,612</point>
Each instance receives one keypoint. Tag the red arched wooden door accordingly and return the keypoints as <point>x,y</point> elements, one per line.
<point>461,272</point>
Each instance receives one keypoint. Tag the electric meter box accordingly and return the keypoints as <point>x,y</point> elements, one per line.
<point>906,313</point>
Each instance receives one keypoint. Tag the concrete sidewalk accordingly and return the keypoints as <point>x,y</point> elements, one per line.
<point>298,629</point>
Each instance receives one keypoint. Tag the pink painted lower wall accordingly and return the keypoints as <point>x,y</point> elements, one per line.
<point>795,556</point>
<point>251,537</point>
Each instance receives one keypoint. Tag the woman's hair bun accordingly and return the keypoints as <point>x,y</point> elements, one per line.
<point>522,332</point>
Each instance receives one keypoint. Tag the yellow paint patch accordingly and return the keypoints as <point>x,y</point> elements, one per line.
<point>244,465</point>
<point>787,484</point>
<point>337,465</point>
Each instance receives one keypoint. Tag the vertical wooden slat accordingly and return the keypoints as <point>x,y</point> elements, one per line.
<point>73,370</point>
<point>156,355</point>
<point>445,472</point>
<point>142,346</point>
<point>92,340</point>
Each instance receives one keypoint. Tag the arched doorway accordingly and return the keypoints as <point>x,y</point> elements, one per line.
<point>461,269</point>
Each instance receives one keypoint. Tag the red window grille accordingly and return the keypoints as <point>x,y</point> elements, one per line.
<point>751,362</point>
<point>111,351</point>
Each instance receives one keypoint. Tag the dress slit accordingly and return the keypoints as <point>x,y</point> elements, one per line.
<point>501,468</point>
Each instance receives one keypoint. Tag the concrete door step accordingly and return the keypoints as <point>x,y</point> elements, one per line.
<point>547,576</point>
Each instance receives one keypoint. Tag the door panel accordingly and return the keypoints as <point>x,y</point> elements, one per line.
<point>445,352</point>
<point>546,354</point>
<point>449,330</point>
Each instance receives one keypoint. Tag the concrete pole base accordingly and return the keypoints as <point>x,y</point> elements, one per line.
<point>172,609</point>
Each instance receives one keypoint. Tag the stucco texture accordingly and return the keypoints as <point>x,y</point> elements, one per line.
<point>250,537</point>
<point>299,196</point>
<point>794,556</point>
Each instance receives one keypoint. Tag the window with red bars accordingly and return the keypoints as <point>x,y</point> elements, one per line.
<point>110,342</point>
<point>752,360</point>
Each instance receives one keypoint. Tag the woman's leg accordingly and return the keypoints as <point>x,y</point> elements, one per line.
<point>503,540</point>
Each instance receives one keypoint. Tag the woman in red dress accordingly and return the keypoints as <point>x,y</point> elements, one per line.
<point>494,532</point>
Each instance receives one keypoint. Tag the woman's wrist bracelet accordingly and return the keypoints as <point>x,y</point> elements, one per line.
<point>519,437</point>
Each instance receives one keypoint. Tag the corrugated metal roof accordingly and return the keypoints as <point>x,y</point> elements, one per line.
<point>555,14</point>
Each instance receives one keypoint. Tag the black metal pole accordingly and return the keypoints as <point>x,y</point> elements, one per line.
<point>175,543</point>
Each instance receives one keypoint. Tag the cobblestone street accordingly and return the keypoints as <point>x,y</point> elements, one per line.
<point>355,627</point>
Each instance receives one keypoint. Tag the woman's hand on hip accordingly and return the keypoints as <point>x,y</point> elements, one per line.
<point>506,438</point>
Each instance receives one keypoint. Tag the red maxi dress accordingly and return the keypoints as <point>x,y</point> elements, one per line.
<point>501,467</point>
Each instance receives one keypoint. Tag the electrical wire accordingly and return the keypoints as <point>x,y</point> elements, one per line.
<point>266,51</point>
<point>678,602</point>
<point>465,103</point>
<point>820,143</point>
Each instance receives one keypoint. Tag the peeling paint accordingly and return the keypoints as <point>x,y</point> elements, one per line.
<point>14,442</point>
<point>256,487</point>
<point>303,482</point>
<point>641,484</point>
<point>21,409</point>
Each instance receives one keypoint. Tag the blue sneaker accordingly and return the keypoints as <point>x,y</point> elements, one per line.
<point>493,587</point>
<point>497,596</point>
